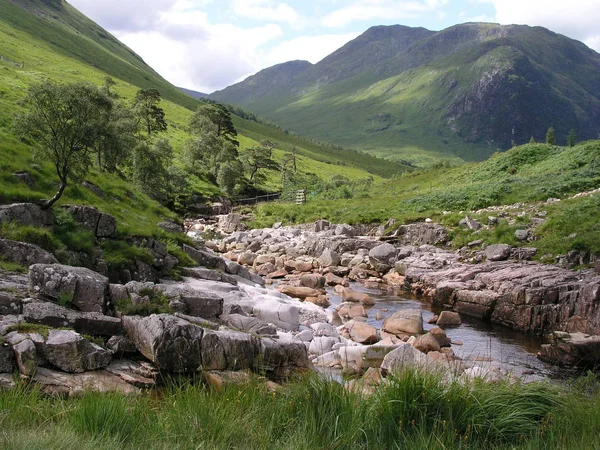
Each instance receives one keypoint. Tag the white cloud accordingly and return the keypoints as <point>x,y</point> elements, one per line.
<point>577,19</point>
<point>380,9</point>
<point>266,10</point>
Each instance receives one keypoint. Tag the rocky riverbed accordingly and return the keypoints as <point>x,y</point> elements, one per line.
<point>281,300</point>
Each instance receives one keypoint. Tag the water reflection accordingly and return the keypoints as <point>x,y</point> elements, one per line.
<point>482,343</point>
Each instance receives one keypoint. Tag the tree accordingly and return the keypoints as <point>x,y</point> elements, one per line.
<point>572,138</point>
<point>150,164</point>
<point>550,136</point>
<point>229,176</point>
<point>532,140</point>
<point>151,117</point>
<point>256,159</point>
<point>219,116</point>
<point>64,120</point>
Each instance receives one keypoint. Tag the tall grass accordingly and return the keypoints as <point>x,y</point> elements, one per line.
<point>414,410</point>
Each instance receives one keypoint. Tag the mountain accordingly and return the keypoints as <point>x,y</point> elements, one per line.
<point>194,94</point>
<point>413,94</point>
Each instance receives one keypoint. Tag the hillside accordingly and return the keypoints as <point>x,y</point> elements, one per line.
<point>416,95</point>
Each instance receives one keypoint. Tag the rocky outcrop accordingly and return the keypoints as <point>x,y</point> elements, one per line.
<point>72,353</point>
<point>422,234</point>
<point>24,253</point>
<point>26,214</point>
<point>83,288</point>
<point>572,350</point>
<point>102,225</point>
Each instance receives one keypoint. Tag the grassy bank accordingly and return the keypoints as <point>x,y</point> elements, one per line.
<point>413,411</point>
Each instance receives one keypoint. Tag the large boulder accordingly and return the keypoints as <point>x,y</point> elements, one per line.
<point>85,289</point>
<point>7,358</point>
<point>405,356</point>
<point>24,253</point>
<point>250,325</point>
<point>56,383</point>
<point>300,292</point>
<point>201,303</point>
<point>206,258</point>
<point>71,352</point>
<point>231,222</point>
<point>312,280</point>
<point>404,321</point>
<point>350,295</point>
<point>383,254</point>
<point>361,332</point>
<point>279,314</point>
<point>281,357</point>
<point>498,252</point>
<point>329,258</point>
<point>572,350</point>
<point>101,224</point>
<point>56,316</point>
<point>26,214</point>
<point>422,234</point>
<point>448,318</point>
<point>228,350</point>
<point>173,344</point>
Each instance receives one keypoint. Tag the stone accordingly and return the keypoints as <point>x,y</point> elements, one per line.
<point>279,314</point>
<point>24,177</point>
<point>351,310</point>
<point>231,222</point>
<point>321,345</point>
<point>313,281</point>
<point>383,254</point>
<point>263,259</point>
<point>7,358</point>
<point>26,214</point>
<point>228,350</point>
<point>142,374</point>
<point>349,295</point>
<point>304,266</point>
<point>85,289</point>
<point>101,224</point>
<point>329,258</point>
<point>404,321</point>
<point>405,356</point>
<point>427,343</point>
<point>357,359</point>
<point>24,253</point>
<point>448,318</point>
<point>52,315</point>
<point>332,280</point>
<point>250,325</point>
<point>56,383</point>
<point>305,335</point>
<point>121,345</point>
<point>422,233</point>
<point>281,358</point>
<point>523,253</point>
<point>280,273</point>
<point>218,380</point>
<point>573,350</point>
<point>200,303</point>
<point>265,269</point>
<point>170,227</point>
<point>71,352</point>
<point>440,337</point>
<point>7,382</point>
<point>321,225</point>
<point>344,230</point>
<point>522,235</point>
<point>497,252</point>
<point>361,332</point>
<point>470,223</point>
<point>173,344</point>
<point>247,258</point>
<point>26,356</point>
<point>300,292</point>
<point>206,258</point>
<point>201,273</point>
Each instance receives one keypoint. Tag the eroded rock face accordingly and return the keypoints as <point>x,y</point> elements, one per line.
<point>71,352</point>
<point>173,344</point>
<point>572,350</point>
<point>24,253</point>
<point>86,289</point>
<point>26,214</point>
<point>59,383</point>
<point>281,357</point>
<point>422,233</point>
<point>228,350</point>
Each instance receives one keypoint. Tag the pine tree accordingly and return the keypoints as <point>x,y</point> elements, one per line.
<point>550,136</point>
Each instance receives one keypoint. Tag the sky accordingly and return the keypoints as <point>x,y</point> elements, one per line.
<point>207,45</point>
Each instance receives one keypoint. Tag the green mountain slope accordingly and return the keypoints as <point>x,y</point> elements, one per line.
<point>413,94</point>
<point>42,39</point>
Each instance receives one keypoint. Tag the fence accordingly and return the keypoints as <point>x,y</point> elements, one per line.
<point>258,198</point>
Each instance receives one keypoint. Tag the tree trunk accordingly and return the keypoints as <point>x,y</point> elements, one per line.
<point>58,194</point>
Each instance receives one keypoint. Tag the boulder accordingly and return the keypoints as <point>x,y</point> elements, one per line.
<point>170,227</point>
<point>333,280</point>
<point>321,301</point>
<point>300,292</point>
<point>52,315</point>
<point>101,224</point>
<point>121,345</point>
<point>7,358</point>
<point>230,223</point>
<point>201,303</point>
<point>572,350</point>
<point>361,332</point>
<point>218,380</point>
<point>440,337</point>
<point>350,310</point>
<point>56,383</point>
<point>344,230</point>
<point>321,225</point>
<point>357,359</point>
<point>26,356</point>
<point>206,258</point>
<point>201,273</point>
<point>26,214</point>
<point>85,289</point>
<point>279,314</point>
<point>383,254</point>
<point>280,358</point>
<point>71,352</point>
<point>263,259</point>
<point>24,253</point>
<point>349,295</point>
<point>421,234</point>
<point>313,281</point>
<point>448,318</point>
<point>405,321</point>
<point>142,374</point>
<point>250,325</point>
<point>265,269</point>
<point>522,235</point>
<point>329,258</point>
<point>321,345</point>
<point>427,343</point>
<point>173,344</point>
<point>247,258</point>
<point>498,252</point>
<point>304,266</point>
<point>405,356</point>
<point>228,350</point>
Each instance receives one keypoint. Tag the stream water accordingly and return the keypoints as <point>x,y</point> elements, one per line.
<point>483,344</point>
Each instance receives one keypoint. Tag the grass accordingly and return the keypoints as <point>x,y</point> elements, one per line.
<point>158,303</point>
<point>414,410</point>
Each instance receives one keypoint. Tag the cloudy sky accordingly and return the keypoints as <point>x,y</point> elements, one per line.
<point>209,44</point>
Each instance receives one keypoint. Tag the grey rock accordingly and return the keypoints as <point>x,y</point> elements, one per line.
<point>498,252</point>
<point>329,258</point>
<point>71,352</point>
<point>87,289</point>
<point>279,314</point>
<point>405,356</point>
<point>281,358</point>
<point>202,303</point>
<point>24,253</point>
<point>26,356</point>
<point>321,225</point>
<point>202,273</point>
<point>52,315</point>
<point>405,321</point>
<point>121,345</point>
<point>231,222</point>
<point>26,214</point>
<point>250,325</point>
<point>523,253</point>
<point>101,224</point>
<point>422,233</point>
<point>228,350</point>
<point>345,230</point>
<point>173,344</point>
<point>522,235</point>
<point>7,359</point>
<point>382,256</point>
<point>470,223</point>
<point>24,177</point>
<point>57,383</point>
<point>170,227</point>
<point>206,258</point>
<point>92,187</point>
<point>142,375</point>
